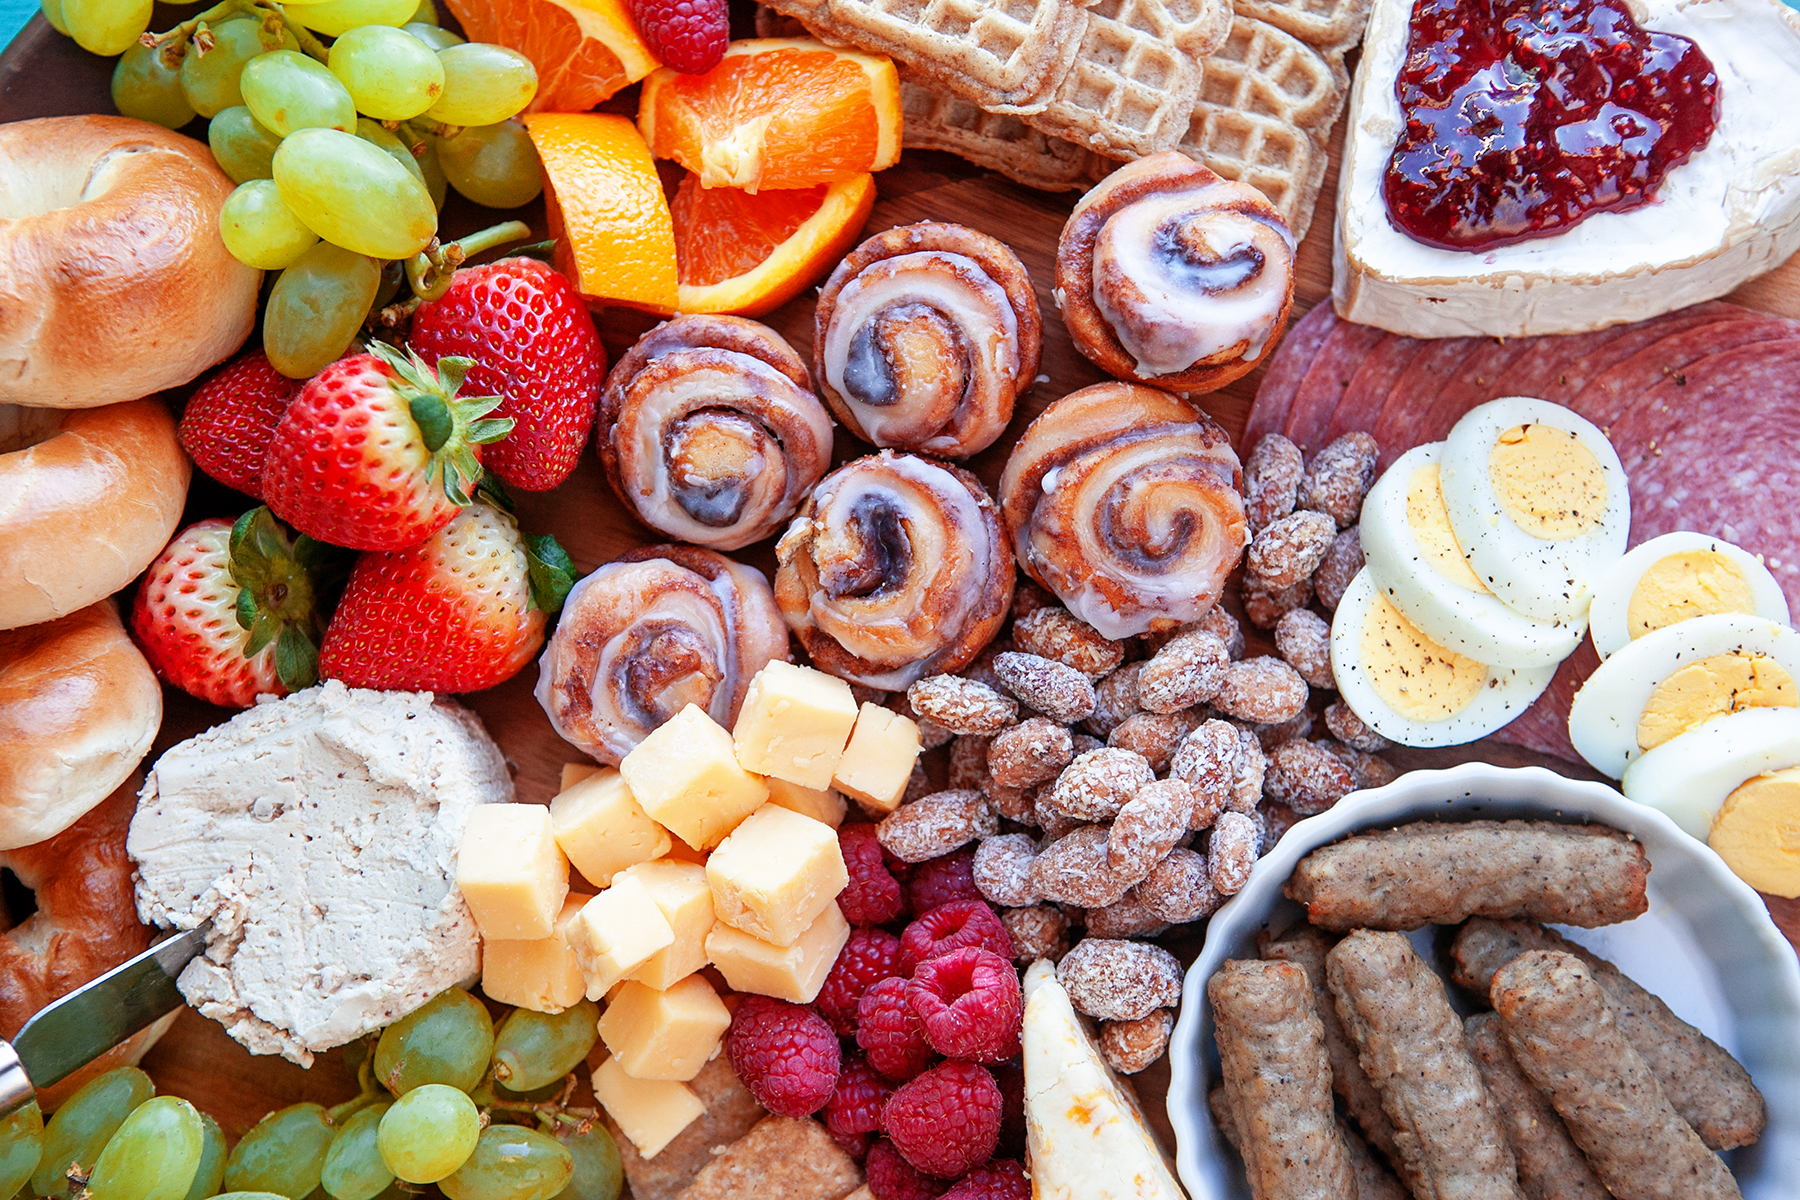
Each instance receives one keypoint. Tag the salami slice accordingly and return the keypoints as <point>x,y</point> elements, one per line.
<point>1316,399</point>
<point>1285,371</point>
<point>1369,388</point>
<point>1610,394</point>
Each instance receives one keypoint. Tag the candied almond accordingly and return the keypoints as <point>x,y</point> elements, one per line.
<point>1081,743</point>
<point>1060,636</point>
<point>1232,850</point>
<point>1115,699</point>
<point>1130,1046</point>
<point>1013,803</point>
<point>1271,480</point>
<point>1073,870</point>
<point>1270,736</point>
<point>918,784</point>
<point>1038,931</point>
<point>1338,568</point>
<point>1288,551</point>
<point>1273,819</point>
<point>1205,760</point>
<point>982,669</point>
<point>936,824</point>
<point>1349,728</point>
<point>1179,888</point>
<point>1096,785</point>
<point>1003,869</point>
<point>1265,608</point>
<point>1185,672</point>
<point>1033,751</point>
<point>969,761</point>
<point>1149,825</point>
<point>961,705</point>
<point>1303,638</point>
<point>1060,693</point>
<point>1221,624</point>
<point>1123,919</point>
<point>1115,980</point>
<point>1306,777</point>
<point>1247,773</point>
<point>1264,690</point>
<point>1339,477</point>
<point>1369,770</point>
<point>1154,735</point>
<point>1028,597</point>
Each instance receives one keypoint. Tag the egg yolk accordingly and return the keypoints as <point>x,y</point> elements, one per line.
<point>1412,674</point>
<point>1547,481</point>
<point>1712,687</point>
<point>1430,525</point>
<point>1695,583</point>
<point>1757,832</point>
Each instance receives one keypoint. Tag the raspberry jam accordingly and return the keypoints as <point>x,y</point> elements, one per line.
<point>1526,117</point>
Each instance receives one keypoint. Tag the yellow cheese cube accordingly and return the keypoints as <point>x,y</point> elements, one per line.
<point>616,932</point>
<point>649,1111</point>
<point>687,777</point>
<point>541,974</point>
<point>665,1034</point>
<point>574,773</point>
<point>681,891</point>
<point>775,874</point>
<point>794,973</point>
<point>511,872</point>
<point>680,851</point>
<point>602,828</point>
<point>821,804</point>
<point>879,759</point>
<point>793,724</point>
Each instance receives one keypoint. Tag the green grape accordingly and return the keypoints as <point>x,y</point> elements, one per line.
<point>287,91</point>
<point>393,277</point>
<point>428,1133</point>
<point>209,1177</point>
<point>249,1196</point>
<point>432,35</point>
<point>483,84</point>
<point>390,74</point>
<point>448,1041</point>
<point>316,308</point>
<point>425,14</point>
<point>335,18</point>
<point>244,149</point>
<point>351,193</point>
<point>353,1166</point>
<point>153,1156</point>
<point>260,230</point>
<point>106,26</point>
<point>433,166</point>
<point>53,14</point>
<point>283,1153</point>
<point>493,165</point>
<point>21,1145</point>
<point>533,1049</point>
<point>143,87</point>
<point>599,1172</point>
<point>377,134</point>
<point>83,1124</point>
<point>210,79</point>
<point>511,1163</point>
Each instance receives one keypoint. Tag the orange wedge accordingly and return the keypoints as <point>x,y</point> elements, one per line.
<point>606,209</point>
<point>584,50</point>
<point>748,254</point>
<point>776,113</point>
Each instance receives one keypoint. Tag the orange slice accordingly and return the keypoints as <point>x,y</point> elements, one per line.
<point>776,113</point>
<point>748,254</point>
<point>606,209</point>
<point>584,50</point>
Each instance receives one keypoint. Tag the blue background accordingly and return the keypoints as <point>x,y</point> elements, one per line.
<point>13,14</point>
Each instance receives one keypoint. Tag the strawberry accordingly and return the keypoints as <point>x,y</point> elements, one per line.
<point>229,419</point>
<point>227,611</point>
<point>534,345</point>
<point>461,611</point>
<point>378,452</point>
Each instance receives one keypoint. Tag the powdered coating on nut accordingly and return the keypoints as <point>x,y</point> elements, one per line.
<point>1116,980</point>
<point>1002,869</point>
<point>1039,931</point>
<point>1288,551</point>
<point>1052,820</point>
<point>1061,636</point>
<point>1271,480</point>
<point>1074,870</point>
<point>1130,1046</point>
<point>1349,729</point>
<point>1115,698</point>
<point>1206,761</point>
<point>1083,742</point>
<point>969,762</point>
<point>1247,773</point>
<point>1097,784</point>
<point>1338,568</point>
<point>1123,920</point>
<point>1060,693</point>
<point>1033,751</point>
<point>961,705</point>
<point>1265,608</point>
<point>1306,777</point>
<point>1013,803</point>
<point>1272,820</point>
<point>1222,625</point>
<point>931,734</point>
<point>982,669</point>
<point>1154,735</point>
<point>1232,851</point>
<point>936,824</point>
<point>1264,690</point>
<point>1366,769</point>
<point>1185,672</point>
<point>1149,825</point>
<point>1270,736</point>
<point>1339,476</point>
<point>918,784</point>
<point>1179,888</point>
<point>1303,638</point>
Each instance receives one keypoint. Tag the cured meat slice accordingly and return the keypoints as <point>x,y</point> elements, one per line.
<point>1285,371</point>
<point>1610,394</point>
<point>1374,382</point>
<point>1316,399</point>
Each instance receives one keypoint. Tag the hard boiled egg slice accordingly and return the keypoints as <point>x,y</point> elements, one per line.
<point>1733,782</point>
<point>1667,682</point>
<point>1538,501</point>
<point>1409,688</point>
<point>1673,578</point>
<point>1412,553</point>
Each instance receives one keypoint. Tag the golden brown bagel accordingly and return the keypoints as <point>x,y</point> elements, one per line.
<point>114,282</point>
<point>87,500</point>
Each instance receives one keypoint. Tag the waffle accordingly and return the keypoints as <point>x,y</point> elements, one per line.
<point>939,120</point>
<point>1328,26</point>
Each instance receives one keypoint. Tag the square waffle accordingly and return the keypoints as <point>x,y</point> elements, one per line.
<point>936,119</point>
<point>1328,26</point>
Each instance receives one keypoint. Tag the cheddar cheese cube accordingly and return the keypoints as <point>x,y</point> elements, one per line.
<point>821,804</point>
<point>616,932</point>
<point>603,829</point>
<point>794,973</point>
<point>879,759</point>
<point>649,1111</point>
<point>682,893</point>
<point>775,874</point>
<point>511,872</point>
<point>793,724</point>
<point>687,777</point>
<point>574,773</point>
<point>541,974</point>
<point>667,1034</point>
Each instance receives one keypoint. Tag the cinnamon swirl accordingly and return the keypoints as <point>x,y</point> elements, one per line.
<point>1125,501</point>
<point>1171,275</point>
<point>650,633</point>
<point>896,568</point>
<point>924,337</point>
<point>709,430</point>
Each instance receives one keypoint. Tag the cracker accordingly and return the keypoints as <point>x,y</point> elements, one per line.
<point>780,1159</point>
<point>731,1112</point>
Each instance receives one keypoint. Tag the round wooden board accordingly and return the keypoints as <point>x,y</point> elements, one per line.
<point>44,74</point>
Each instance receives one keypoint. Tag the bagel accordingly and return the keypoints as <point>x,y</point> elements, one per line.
<point>88,499</point>
<point>114,281</point>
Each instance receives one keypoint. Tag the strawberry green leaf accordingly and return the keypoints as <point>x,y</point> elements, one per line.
<point>551,571</point>
<point>296,659</point>
<point>432,416</point>
<point>490,430</point>
<point>492,491</point>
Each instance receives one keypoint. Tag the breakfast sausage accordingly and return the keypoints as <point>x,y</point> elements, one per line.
<point>1373,1180</point>
<point>1551,1166</point>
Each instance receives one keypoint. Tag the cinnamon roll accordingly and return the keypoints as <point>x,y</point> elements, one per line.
<point>896,568</point>
<point>1171,275</point>
<point>1126,502</point>
<point>650,633</point>
<point>923,338</point>
<point>710,432</point>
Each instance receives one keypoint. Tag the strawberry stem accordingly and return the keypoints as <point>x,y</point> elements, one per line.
<point>278,574</point>
<point>432,416</point>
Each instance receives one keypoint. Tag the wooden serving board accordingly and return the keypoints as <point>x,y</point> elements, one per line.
<point>44,74</point>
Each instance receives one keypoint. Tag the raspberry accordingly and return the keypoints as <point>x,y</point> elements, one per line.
<point>785,1053</point>
<point>689,35</point>
<point>873,896</point>
<point>937,881</point>
<point>888,1030</point>
<point>854,1109</point>
<point>951,926</point>
<point>1011,1078</point>
<point>893,1178</point>
<point>1002,1179</point>
<point>969,1004</point>
<point>856,1145</point>
<point>945,1121</point>
<point>870,956</point>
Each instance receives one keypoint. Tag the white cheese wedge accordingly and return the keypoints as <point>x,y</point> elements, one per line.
<point>1085,1135</point>
<point>1729,213</point>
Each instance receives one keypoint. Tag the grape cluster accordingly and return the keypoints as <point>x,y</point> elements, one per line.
<point>446,1098</point>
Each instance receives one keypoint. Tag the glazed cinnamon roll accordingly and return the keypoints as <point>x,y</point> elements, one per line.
<point>650,633</point>
<point>923,338</point>
<point>710,432</point>
<point>1125,501</point>
<point>1170,275</point>
<point>896,568</point>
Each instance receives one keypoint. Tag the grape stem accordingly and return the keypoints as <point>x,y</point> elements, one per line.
<point>430,271</point>
<point>197,32</point>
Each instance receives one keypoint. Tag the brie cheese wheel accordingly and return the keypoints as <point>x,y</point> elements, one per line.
<point>1727,214</point>
<point>1085,1136</point>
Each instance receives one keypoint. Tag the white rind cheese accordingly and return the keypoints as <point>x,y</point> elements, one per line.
<point>1729,213</point>
<point>1085,1135</point>
<point>319,834</point>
